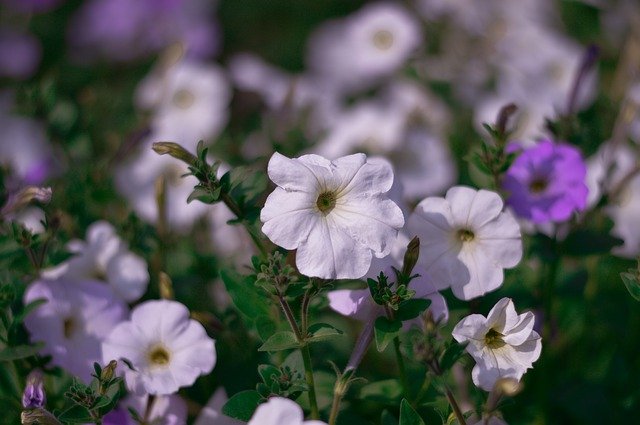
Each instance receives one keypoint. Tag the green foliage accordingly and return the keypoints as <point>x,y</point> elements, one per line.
<point>386,331</point>
<point>408,416</point>
<point>242,405</point>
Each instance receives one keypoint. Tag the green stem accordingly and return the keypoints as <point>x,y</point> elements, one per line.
<point>308,375</point>
<point>548,293</point>
<point>306,355</point>
<point>423,390</point>
<point>455,407</point>
<point>401,369</point>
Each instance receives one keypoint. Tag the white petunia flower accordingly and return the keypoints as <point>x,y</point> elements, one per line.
<point>372,43</point>
<point>167,349</point>
<point>466,240</point>
<point>164,410</point>
<point>106,257</point>
<point>335,213</point>
<point>73,322</point>
<point>280,411</point>
<point>189,101</point>
<point>504,344</point>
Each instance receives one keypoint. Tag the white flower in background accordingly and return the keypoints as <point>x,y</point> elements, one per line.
<point>228,240</point>
<point>280,411</point>
<point>189,101</point>
<point>605,171</point>
<point>106,257</point>
<point>359,304</point>
<point>337,214</point>
<point>164,410</point>
<point>136,180</point>
<point>466,240</point>
<point>167,349</point>
<point>73,322</point>
<point>372,43</point>
<point>211,414</point>
<point>504,344</point>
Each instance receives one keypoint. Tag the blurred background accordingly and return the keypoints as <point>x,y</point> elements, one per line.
<point>87,86</point>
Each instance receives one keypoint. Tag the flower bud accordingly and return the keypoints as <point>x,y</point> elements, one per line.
<point>34,395</point>
<point>411,256</point>
<point>176,151</point>
<point>109,371</point>
<point>38,417</point>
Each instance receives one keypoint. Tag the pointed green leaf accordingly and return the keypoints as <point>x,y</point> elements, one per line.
<point>322,332</point>
<point>408,416</point>
<point>242,405</point>
<point>385,331</point>
<point>19,352</point>
<point>280,341</point>
<point>633,285</point>
<point>410,309</point>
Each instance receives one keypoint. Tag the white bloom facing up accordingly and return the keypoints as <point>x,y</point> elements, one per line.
<point>167,349</point>
<point>106,257</point>
<point>73,322</point>
<point>466,240</point>
<point>335,213</point>
<point>280,411</point>
<point>504,344</point>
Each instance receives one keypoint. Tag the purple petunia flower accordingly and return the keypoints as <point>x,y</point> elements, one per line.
<point>20,54</point>
<point>547,182</point>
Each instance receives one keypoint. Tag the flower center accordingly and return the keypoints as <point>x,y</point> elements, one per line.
<point>326,202</point>
<point>159,355</point>
<point>493,339</point>
<point>68,327</point>
<point>465,235</point>
<point>538,185</point>
<point>383,39</point>
<point>183,99</point>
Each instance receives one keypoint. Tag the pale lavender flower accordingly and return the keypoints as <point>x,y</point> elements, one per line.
<point>280,411</point>
<point>73,322</point>
<point>167,349</point>
<point>546,183</point>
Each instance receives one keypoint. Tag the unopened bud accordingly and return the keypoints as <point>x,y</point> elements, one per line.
<point>34,395</point>
<point>176,151</point>
<point>166,286</point>
<point>411,256</point>
<point>508,386</point>
<point>503,117</point>
<point>25,196</point>
<point>109,371</point>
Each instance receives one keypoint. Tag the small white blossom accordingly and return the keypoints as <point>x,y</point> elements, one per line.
<point>280,411</point>
<point>466,240</point>
<point>211,414</point>
<point>504,344</point>
<point>106,257</point>
<point>335,213</point>
<point>167,349</point>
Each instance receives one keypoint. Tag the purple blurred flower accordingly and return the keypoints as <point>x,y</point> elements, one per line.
<point>547,182</point>
<point>34,395</point>
<point>123,30</point>
<point>19,54</point>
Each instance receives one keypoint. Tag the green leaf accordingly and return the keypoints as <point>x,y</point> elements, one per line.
<point>385,331</point>
<point>242,405</point>
<point>20,352</point>
<point>410,309</point>
<point>76,414</point>
<point>245,296</point>
<point>387,391</point>
<point>204,195</point>
<point>408,416</point>
<point>451,355</point>
<point>280,341</point>
<point>322,332</point>
<point>633,285</point>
